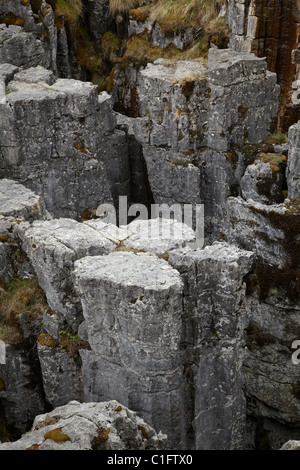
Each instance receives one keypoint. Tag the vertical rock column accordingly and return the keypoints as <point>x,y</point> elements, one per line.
<point>293,166</point>
<point>213,341</point>
<point>132,304</point>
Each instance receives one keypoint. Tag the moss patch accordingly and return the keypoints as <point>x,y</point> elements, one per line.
<point>57,436</point>
<point>21,296</point>
<point>12,19</point>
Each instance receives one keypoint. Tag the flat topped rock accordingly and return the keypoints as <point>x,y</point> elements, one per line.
<point>35,75</point>
<point>174,71</point>
<point>74,87</point>
<point>18,201</point>
<point>128,269</point>
<point>27,86</point>
<point>80,238</point>
<point>227,67</point>
<point>159,235</point>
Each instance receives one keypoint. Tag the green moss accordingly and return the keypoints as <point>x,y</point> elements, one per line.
<point>276,138</point>
<point>46,340</point>
<point>57,436</point>
<point>99,441</point>
<point>143,431</point>
<point>70,342</point>
<point>21,296</point>
<point>110,45</point>
<point>47,421</point>
<point>33,447</point>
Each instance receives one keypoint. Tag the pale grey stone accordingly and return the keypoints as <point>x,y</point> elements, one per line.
<point>19,202</point>
<point>90,426</point>
<point>134,332</point>
<point>293,165</point>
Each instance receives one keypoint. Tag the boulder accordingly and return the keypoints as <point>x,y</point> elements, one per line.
<point>89,426</point>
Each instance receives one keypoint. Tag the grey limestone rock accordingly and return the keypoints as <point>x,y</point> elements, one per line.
<point>263,182</point>
<point>52,247</point>
<point>19,202</point>
<point>197,123</point>
<point>213,342</point>
<point>31,41</point>
<point>89,426</point>
<point>21,391</point>
<point>159,236</point>
<point>61,375</point>
<point>64,164</point>
<point>291,445</point>
<point>134,329</point>
<point>293,165</point>
<point>35,75</point>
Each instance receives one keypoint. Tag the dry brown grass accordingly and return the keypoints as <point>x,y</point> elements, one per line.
<point>121,6</point>
<point>21,296</point>
<point>70,9</point>
<point>180,14</point>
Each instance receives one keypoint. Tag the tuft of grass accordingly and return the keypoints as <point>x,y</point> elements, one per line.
<point>110,45</point>
<point>121,6</point>
<point>71,10</point>
<point>20,296</point>
<point>276,138</point>
<point>185,13</point>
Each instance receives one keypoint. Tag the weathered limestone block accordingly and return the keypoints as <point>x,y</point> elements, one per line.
<point>21,391</point>
<point>28,35</point>
<point>263,181</point>
<point>174,97</point>
<point>7,72</point>
<point>261,27</point>
<point>213,342</point>
<point>20,202</point>
<point>35,75</point>
<point>50,141</point>
<point>52,247</point>
<point>272,233</point>
<point>132,307</point>
<point>17,204</point>
<point>291,445</point>
<point>21,47</point>
<point>158,236</point>
<point>61,375</point>
<point>293,165</point>
<point>198,125</point>
<point>89,426</point>
<point>173,177</point>
<point>268,230</point>
<point>98,17</point>
<point>240,82</point>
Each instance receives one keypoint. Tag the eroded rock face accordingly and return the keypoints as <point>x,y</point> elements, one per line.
<point>270,29</point>
<point>293,167</point>
<point>272,305</point>
<point>28,36</point>
<point>199,124</point>
<point>89,426</point>
<point>134,332</point>
<point>61,160</point>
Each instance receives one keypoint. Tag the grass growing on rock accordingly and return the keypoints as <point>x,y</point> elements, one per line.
<point>182,14</point>
<point>121,6</point>
<point>20,296</point>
